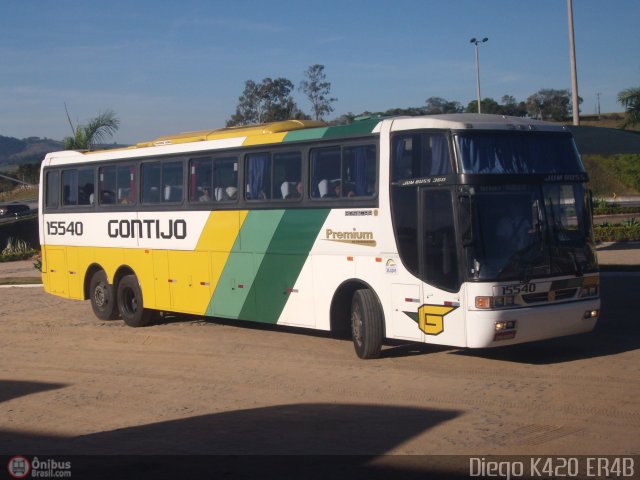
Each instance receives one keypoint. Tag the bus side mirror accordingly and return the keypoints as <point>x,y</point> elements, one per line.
<point>466,220</point>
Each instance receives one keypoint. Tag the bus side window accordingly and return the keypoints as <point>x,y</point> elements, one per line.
<point>325,172</point>
<point>69,187</point>
<point>151,182</point>
<point>172,181</point>
<point>225,179</point>
<point>85,186</point>
<point>52,189</point>
<point>287,174</point>
<point>200,180</point>
<point>258,176</point>
<point>358,171</point>
<point>419,155</point>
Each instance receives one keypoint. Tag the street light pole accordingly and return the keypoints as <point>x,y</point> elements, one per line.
<point>476,42</point>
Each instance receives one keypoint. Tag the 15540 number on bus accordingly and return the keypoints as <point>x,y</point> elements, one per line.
<point>518,289</point>
<point>65,228</point>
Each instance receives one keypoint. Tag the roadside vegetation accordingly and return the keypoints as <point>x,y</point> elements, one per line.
<point>17,249</point>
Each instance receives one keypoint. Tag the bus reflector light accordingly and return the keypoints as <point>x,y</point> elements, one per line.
<point>484,302</point>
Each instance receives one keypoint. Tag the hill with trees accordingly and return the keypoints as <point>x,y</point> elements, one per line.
<point>14,151</point>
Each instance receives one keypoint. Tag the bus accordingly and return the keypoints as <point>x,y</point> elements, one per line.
<point>462,230</point>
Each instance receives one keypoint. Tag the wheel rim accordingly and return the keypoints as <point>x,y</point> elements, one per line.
<point>130,303</point>
<point>100,295</point>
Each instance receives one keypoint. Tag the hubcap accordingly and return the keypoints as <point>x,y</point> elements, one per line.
<point>100,296</point>
<point>130,301</point>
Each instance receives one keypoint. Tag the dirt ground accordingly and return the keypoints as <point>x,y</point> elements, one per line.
<point>72,384</point>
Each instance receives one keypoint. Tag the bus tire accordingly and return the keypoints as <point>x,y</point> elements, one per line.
<point>366,324</point>
<point>130,302</point>
<point>103,297</point>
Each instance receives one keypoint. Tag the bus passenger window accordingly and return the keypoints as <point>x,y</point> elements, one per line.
<point>418,155</point>
<point>52,189</point>
<point>358,171</point>
<point>348,172</point>
<point>172,181</point>
<point>117,185</point>
<point>325,172</point>
<point>85,186</point>
<point>287,174</point>
<point>258,176</point>
<point>151,182</point>
<point>69,187</point>
<point>200,180</point>
<point>225,179</point>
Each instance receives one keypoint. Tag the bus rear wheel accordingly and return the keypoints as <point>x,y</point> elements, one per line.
<point>366,324</point>
<point>130,302</point>
<point>103,298</point>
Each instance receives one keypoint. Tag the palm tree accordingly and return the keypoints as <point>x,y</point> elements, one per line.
<point>630,100</point>
<point>96,131</point>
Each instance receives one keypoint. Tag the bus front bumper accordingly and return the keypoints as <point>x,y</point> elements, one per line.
<point>497,328</point>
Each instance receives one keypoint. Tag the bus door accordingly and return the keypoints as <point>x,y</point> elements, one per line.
<point>440,316</point>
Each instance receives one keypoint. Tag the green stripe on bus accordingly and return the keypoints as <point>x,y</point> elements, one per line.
<point>305,134</point>
<point>281,266</point>
<point>264,262</point>
<point>232,292</point>
<point>361,127</point>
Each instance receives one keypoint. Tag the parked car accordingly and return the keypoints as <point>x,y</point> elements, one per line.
<point>14,209</point>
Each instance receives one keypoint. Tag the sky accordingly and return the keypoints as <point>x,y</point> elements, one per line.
<point>173,66</point>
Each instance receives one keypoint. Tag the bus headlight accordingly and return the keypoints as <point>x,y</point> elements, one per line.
<point>591,314</point>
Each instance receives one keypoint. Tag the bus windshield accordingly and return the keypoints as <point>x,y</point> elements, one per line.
<point>526,231</point>
<point>517,152</point>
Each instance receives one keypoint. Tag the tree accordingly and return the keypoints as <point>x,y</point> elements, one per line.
<point>550,104</point>
<point>267,101</point>
<point>317,90</point>
<point>96,131</point>
<point>630,100</point>
<point>489,106</point>
<point>438,105</point>
<point>29,172</point>
<point>510,106</point>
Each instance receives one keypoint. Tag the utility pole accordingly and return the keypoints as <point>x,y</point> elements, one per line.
<point>574,75</point>
<point>598,105</point>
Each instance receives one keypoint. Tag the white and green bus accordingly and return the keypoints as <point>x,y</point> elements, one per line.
<point>461,230</point>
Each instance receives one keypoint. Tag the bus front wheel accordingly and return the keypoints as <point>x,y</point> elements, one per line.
<point>103,297</point>
<point>366,324</point>
<point>130,302</point>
